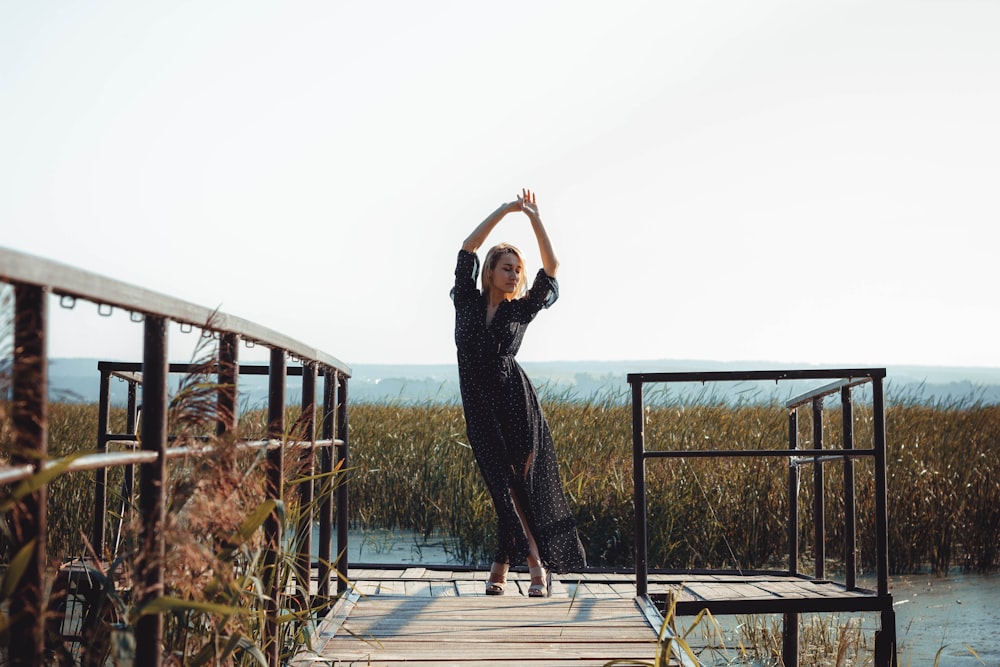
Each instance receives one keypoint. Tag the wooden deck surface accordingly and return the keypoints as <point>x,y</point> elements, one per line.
<point>427,615</point>
<point>481,631</point>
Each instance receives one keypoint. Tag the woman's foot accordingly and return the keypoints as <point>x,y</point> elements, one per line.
<point>498,579</point>
<point>540,582</point>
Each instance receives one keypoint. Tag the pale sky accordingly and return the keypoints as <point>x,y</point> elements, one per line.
<point>776,180</point>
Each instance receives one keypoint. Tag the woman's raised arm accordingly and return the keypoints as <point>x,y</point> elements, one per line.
<point>549,261</point>
<point>479,234</point>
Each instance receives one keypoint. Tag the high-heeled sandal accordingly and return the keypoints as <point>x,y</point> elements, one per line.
<point>543,590</point>
<point>498,579</point>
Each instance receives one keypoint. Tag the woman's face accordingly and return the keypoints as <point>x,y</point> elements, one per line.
<point>506,274</point>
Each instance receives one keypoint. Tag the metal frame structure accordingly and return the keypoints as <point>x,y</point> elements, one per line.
<point>33,279</point>
<point>843,380</point>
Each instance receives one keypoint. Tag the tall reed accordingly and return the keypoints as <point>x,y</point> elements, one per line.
<point>412,469</point>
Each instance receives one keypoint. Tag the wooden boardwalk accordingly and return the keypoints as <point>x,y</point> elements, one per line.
<point>484,631</point>
<point>424,615</point>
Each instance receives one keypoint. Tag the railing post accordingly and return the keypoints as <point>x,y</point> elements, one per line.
<point>98,532</point>
<point>790,621</point>
<point>29,392</point>
<point>885,638</point>
<point>152,480</point>
<point>227,378</point>
<point>303,572</point>
<point>819,513</point>
<point>639,490</point>
<point>342,504</point>
<point>274,489</point>
<point>793,494</point>
<point>850,506</point>
<point>326,474</point>
<point>128,473</point>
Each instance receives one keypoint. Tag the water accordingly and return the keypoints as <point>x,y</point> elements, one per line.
<point>953,612</point>
<point>385,546</point>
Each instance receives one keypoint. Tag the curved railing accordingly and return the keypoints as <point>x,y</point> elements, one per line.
<point>33,279</point>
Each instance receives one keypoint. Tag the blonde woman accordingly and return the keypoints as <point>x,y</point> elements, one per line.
<point>504,421</point>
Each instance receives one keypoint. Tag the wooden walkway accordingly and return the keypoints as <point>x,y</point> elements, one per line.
<point>423,615</point>
<point>484,631</point>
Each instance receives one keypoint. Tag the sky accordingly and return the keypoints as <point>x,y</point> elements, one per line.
<point>793,181</point>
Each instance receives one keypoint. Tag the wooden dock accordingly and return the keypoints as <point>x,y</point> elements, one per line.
<point>436,616</point>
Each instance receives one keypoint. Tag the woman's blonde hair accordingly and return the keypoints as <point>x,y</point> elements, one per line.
<point>493,258</point>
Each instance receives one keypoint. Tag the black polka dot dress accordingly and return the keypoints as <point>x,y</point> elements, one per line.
<point>505,424</point>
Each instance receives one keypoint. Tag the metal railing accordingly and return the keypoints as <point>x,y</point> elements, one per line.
<point>33,279</point>
<point>844,380</point>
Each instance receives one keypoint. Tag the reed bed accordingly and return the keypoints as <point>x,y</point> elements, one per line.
<point>412,469</point>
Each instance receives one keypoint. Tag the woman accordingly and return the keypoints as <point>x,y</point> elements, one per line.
<point>504,420</point>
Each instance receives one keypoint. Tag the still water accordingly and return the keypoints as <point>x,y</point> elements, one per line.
<point>958,612</point>
<point>950,614</point>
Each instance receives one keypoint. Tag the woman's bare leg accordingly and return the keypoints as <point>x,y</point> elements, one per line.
<point>534,559</point>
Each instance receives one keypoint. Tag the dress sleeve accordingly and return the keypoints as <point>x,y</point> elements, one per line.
<point>543,293</point>
<point>466,272</point>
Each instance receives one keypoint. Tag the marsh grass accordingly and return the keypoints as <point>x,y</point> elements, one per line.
<point>414,470</point>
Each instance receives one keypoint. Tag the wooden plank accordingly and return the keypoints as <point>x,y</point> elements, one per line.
<point>413,573</point>
<point>365,587</point>
<point>443,589</point>
<point>487,661</point>
<point>467,587</point>
<point>417,588</point>
<point>476,630</point>
<point>390,587</point>
<point>683,593</point>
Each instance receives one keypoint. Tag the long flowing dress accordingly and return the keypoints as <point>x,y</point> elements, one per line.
<point>505,424</point>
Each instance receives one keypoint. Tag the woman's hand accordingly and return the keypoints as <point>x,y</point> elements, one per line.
<point>530,208</point>
<point>527,203</point>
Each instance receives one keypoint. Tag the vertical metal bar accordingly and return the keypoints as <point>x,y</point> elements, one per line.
<point>793,494</point>
<point>29,391</point>
<point>326,474</point>
<point>307,468</point>
<point>98,533</point>
<point>128,473</point>
<point>790,621</point>
<point>342,504</point>
<point>152,480</point>
<point>885,638</point>
<point>132,408</point>
<point>881,504</point>
<point>639,490</point>
<point>274,489</point>
<point>819,507</point>
<point>790,640</point>
<point>850,505</point>
<point>228,379</point>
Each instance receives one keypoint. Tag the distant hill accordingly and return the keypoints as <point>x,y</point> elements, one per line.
<point>78,380</point>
